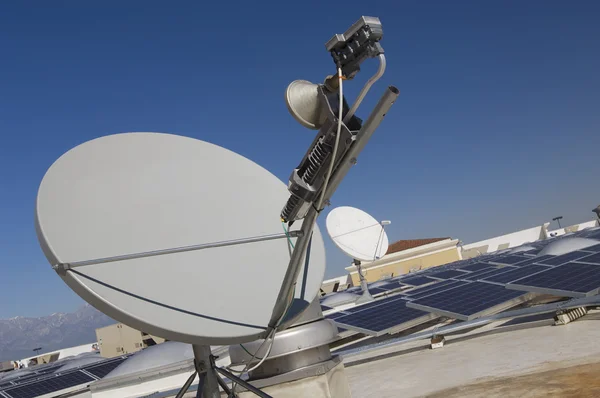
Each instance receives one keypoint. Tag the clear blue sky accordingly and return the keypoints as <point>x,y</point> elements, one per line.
<point>496,128</point>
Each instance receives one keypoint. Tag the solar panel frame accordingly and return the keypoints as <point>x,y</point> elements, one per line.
<point>391,317</point>
<point>471,301</point>
<point>513,275</point>
<point>568,280</point>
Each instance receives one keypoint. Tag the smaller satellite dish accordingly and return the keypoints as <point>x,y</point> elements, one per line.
<point>357,233</point>
<point>302,101</point>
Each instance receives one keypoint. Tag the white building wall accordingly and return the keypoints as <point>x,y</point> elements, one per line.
<point>510,240</point>
<point>573,228</point>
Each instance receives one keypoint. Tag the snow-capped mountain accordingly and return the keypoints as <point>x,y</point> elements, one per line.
<point>20,335</point>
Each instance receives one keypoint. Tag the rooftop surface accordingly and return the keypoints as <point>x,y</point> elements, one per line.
<point>528,362</point>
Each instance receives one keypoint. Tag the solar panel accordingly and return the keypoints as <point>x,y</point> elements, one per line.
<point>593,259</point>
<point>569,280</point>
<point>372,304</point>
<point>386,288</point>
<point>101,370</point>
<point>469,301</point>
<point>565,258</point>
<point>438,287</point>
<point>390,317</point>
<point>595,248</point>
<point>475,276</point>
<point>448,274</point>
<point>509,260</point>
<point>594,235</point>
<point>513,275</point>
<point>325,308</point>
<point>476,267</point>
<point>416,280</point>
<point>533,260</point>
<point>48,385</point>
<point>335,315</point>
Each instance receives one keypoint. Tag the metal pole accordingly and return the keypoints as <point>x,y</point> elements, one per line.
<point>291,274</point>
<point>243,383</point>
<point>66,266</point>
<point>202,360</point>
<point>364,134</point>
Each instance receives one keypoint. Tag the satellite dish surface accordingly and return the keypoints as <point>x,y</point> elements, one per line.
<point>357,233</point>
<point>142,192</point>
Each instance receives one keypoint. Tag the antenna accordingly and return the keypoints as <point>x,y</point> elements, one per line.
<point>186,240</point>
<point>360,236</point>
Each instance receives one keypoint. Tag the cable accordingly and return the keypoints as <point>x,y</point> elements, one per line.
<point>337,140</point>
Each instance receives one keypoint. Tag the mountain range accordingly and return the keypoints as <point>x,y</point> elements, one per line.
<point>20,335</point>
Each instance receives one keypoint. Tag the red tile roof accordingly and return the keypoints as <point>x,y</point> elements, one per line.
<point>411,243</point>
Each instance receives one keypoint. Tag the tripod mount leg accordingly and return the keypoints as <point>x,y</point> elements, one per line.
<point>206,371</point>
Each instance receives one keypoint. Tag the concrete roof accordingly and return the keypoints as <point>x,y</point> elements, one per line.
<point>468,360</point>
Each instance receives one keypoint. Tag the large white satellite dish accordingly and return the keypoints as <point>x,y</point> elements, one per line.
<point>357,233</point>
<point>145,192</point>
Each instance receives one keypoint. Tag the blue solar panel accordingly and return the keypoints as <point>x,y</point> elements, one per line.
<point>593,259</point>
<point>510,276</point>
<point>372,304</point>
<point>416,280</point>
<point>475,276</point>
<point>102,369</point>
<point>476,267</point>
<point>594,235</point>
<point>509,260</point>
<point>565,258</point>
<point>335,315</point>
<point>595,248</point>
<point>325,308</point>
<point>448,274</point>
<point>49,385</point>
<point>469,301</point>
<point>533,260</point>
<point>570,280</point>
<point>393,315</point>
<point>386,287</point>
<point>438,287</point>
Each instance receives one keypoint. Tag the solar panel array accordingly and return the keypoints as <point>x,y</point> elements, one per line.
<point>476,287</point>
<point>46,381</point>
<point>570,280</point>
